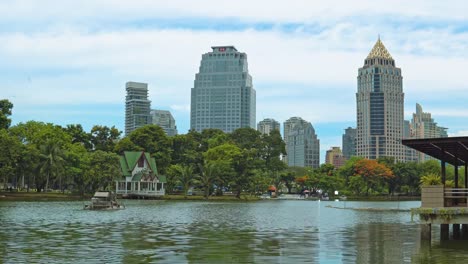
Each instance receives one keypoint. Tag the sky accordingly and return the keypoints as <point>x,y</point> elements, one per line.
<point>67,62</point>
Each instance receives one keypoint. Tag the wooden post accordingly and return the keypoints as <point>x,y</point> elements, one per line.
<point>464,234</point>
<point>466,175</point>
<point>456,231</point>
<point>443,172</point>
<point>426,232</point>
<point>444,232</point>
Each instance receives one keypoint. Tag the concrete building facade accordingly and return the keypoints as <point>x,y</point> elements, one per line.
<point>335,157</point>
<point>422,125</point>
<point>223,96</point>
<point>137,106</point>
<point>380,107</point>
<point>303,146</point>
<point>267,125</point>
<point>165,120</point>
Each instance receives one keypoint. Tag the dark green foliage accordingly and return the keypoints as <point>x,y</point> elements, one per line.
<point>104,138</point>
<point>5,111</point>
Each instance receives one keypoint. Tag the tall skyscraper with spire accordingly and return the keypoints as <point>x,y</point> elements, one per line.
<point>380,110</point>
<point>223,96</point>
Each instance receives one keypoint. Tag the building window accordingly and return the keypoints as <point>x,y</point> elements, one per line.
<point>141,162</point>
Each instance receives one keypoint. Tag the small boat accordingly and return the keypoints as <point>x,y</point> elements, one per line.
<point>104,200</point>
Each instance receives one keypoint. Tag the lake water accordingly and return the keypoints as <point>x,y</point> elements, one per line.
<point>218,232</point>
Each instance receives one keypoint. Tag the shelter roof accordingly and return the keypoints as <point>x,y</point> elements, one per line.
<point>453,150</point>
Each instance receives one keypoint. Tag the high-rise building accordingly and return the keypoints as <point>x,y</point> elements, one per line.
<point>223,96</point>
<point>165,120</point>
<point>303,147</point>
<point>267,125</point>
<point>335,157</point>
<point>289,124</point>
<point>349,142</point>
<point>137,106</point>
<point>423,126</point>
<point>380,101</point>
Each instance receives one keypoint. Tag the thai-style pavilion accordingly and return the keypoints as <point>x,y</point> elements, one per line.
<point>140,177</point>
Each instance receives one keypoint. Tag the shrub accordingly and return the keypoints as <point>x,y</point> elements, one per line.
<point>430,179</point>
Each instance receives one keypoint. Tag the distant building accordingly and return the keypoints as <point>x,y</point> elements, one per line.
<point>165,120</point>
<point>380,107</point>
<point>289,124</point>
<point>423,126</point>
<point>223,96</point>
<point>287,127</point>
<point>267,125</point>
<point>303,147</point>
<point>137,106</point>
<point>411,154</point>
<point>335,157</point>
<point>349,142</point>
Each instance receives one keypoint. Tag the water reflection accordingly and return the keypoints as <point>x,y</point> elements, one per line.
<point>210,232</point>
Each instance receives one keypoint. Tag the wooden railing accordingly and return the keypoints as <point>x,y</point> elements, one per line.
<point>455,197</point>
<point>142,192</point>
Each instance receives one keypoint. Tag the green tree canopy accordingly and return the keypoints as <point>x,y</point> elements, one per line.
<point>104,138</point>
<point>5,111</point>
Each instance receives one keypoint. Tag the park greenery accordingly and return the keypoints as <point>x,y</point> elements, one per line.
<point>37,156</point>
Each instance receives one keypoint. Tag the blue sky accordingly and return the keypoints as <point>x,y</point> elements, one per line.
<point>67,61</point>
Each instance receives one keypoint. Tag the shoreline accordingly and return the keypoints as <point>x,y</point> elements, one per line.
<point>53,196</point>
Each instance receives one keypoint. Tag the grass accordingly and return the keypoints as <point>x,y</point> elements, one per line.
<point>42,196</point>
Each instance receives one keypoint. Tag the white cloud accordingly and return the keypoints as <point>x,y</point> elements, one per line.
<point>81,52</point>
<point>461,133</point>
<point>259,10</point>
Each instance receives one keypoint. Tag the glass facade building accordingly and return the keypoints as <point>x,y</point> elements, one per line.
<point>165,120</point>
<point>349,142</point>
<point>380,109</point>
<point>137,106</point>
<point>223,96</point>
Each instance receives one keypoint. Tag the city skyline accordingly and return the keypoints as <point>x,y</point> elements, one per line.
<point>69,69</point>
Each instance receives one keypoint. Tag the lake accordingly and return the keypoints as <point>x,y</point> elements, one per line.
<point>218,232</point>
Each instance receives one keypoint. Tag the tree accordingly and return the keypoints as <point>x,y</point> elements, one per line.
<point>207,177</point>
<point>10,150</point>
<point>80,136</point>
<point>125,144</point>
<point>186,149</point>
<point>224,156</point>
<point>76,165</point>
<point>372,173</point>
<point>288,178</point>
<point>274,147</point>
<point>5,111</point>
<point>186,177</point>
<point>153,139</point>
<point>35,136</point>
<point>104,138</point>
<point>52,156</point>
<point>103,169</point>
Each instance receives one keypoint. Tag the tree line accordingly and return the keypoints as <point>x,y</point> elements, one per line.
<point>44,156</point>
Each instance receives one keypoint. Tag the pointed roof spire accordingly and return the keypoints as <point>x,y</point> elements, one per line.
<point>379,51</point>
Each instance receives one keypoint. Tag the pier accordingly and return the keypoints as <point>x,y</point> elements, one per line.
<point>442,205</point>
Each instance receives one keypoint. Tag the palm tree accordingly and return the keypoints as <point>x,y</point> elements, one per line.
<point>186,177</point>
<point>208,174</point>
<point>52,160</point>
